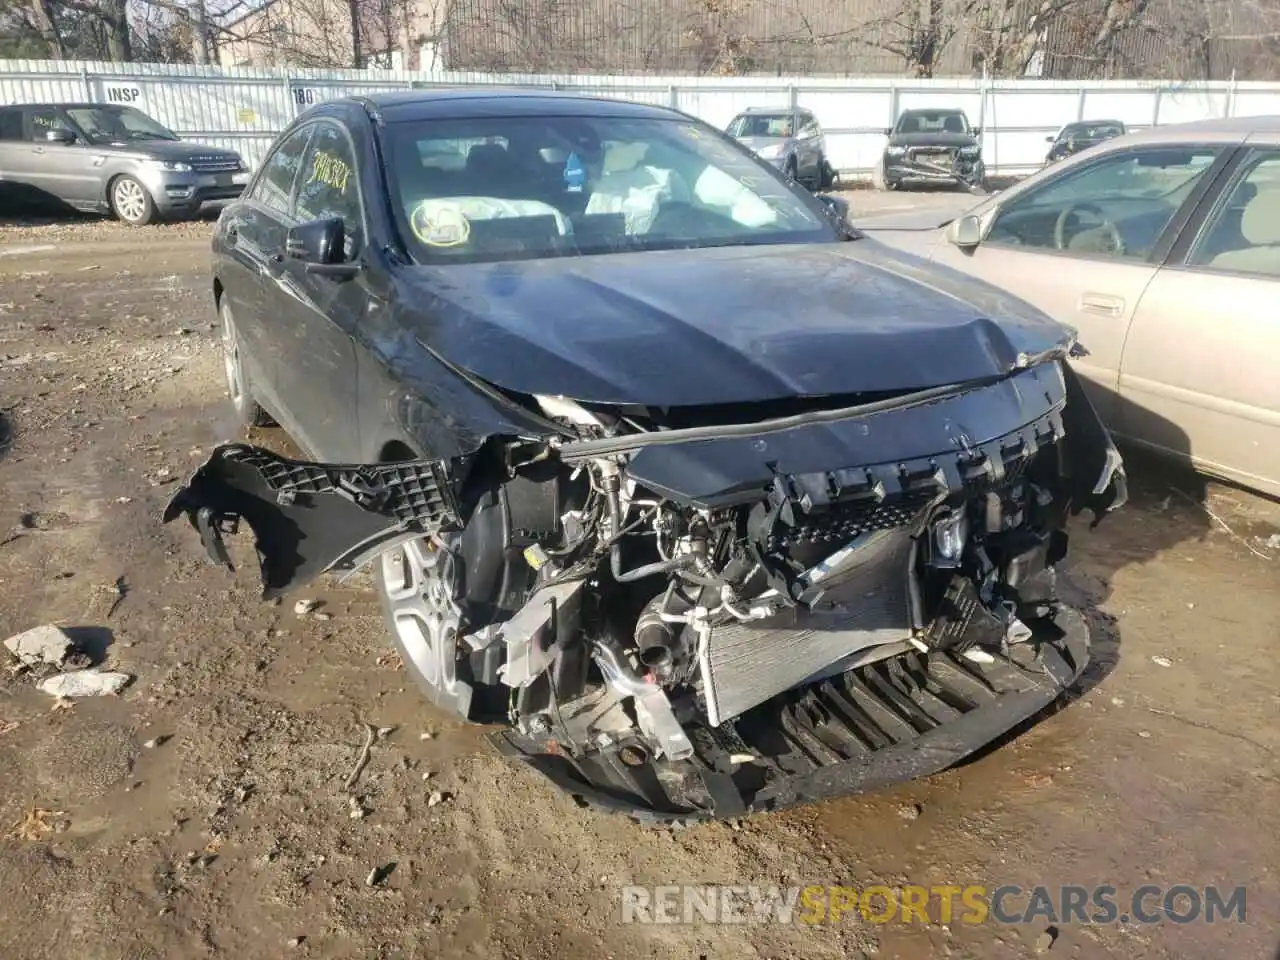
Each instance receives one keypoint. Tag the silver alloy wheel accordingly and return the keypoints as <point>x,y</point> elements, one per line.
<point>231,358</point>
<point>417,588</point>
<point>130,199</point>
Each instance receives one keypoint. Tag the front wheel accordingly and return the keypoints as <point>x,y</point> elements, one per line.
<point>248,410</point>
<point>419,583</point>
<point>878,179</point>
<point>826,175</point>
<point>131,202</point>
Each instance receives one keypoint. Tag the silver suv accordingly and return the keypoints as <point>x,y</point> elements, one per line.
<point>791,140</point>
<point>101,158</point>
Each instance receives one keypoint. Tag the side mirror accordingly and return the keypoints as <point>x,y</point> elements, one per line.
<point>320,245</point>
<point>965,232</point>
<point>837,207</point>
<point>1050,138</point>
<point>977,131</point>
<point>888,131</point>
<point>60,135</point>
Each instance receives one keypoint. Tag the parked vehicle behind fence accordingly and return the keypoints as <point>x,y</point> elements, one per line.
<point>790,140</point>
<point>108,158</point>
<point>1076,137</point>
<point>931,146</point>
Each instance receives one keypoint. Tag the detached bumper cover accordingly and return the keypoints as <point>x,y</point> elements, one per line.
<point>309,518</point>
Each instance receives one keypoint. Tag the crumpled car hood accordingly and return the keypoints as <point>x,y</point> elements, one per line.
<point>724,325</point>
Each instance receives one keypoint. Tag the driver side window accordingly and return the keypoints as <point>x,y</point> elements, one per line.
<point>1114,208</point>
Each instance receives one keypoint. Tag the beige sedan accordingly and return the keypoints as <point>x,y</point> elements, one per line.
<point>1162,249</point>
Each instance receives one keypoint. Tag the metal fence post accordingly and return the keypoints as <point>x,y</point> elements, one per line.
<point>1080,104</point>
<point>1231,96</point>
<point>793,97</point>
<point>673,96</point>
<point>290,107</point>
<point>1155,108</point>
<point>88,85</point>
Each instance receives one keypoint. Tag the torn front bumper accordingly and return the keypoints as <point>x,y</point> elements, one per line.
<point>930,168</point>
<point>887,722</point>
<point>310,518</point>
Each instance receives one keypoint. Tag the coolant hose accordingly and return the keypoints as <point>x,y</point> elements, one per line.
<point>618,673</point>
<point>615,552</point>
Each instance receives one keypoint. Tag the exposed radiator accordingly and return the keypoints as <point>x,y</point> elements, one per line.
<point>744,664</point>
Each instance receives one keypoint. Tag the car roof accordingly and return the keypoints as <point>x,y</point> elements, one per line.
<point>465,102</point>
<point>930,110</point>
<point>768,110</point>
<point>69,104</point>
<point>1092,123</point>
<point>1232,129</point>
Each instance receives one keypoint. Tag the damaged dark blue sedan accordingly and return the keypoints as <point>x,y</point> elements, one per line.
<point>712,503</point>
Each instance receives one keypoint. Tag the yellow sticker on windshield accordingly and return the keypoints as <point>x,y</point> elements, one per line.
<point>693,132</point>
<point>330,170</point>
<point>438,226</point>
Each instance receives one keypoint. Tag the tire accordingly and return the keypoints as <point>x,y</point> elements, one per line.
<point>878,181</point>
<point>239,389</point>
<point>130,202</point>
<point>827,175</point>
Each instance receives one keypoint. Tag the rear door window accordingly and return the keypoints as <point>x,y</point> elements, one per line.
<point>11,124</point>
<point>1243,233</point>
<point>274,188</point>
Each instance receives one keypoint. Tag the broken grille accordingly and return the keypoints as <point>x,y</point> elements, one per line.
<point>874,707</point>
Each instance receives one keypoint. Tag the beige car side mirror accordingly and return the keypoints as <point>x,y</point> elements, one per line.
<point>966,231</point>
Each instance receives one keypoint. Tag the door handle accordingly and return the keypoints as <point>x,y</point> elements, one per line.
<point>1103,304</point>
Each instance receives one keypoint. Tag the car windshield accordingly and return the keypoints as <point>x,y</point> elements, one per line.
<point>505,188</point>
<point>1164,174</point>
<point>932,121</point>
<point>761,125</point>
<point>111,124</point>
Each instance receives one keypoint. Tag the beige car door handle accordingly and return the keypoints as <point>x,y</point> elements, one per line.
<point>1102,304</point>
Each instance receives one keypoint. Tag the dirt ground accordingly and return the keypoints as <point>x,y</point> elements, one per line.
<point>202,812</point>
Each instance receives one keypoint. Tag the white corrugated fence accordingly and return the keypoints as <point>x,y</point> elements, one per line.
<point>243,108</point>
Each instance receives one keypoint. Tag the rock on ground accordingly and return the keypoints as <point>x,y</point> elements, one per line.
<point>40,645</point>
<point>85,683</point>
